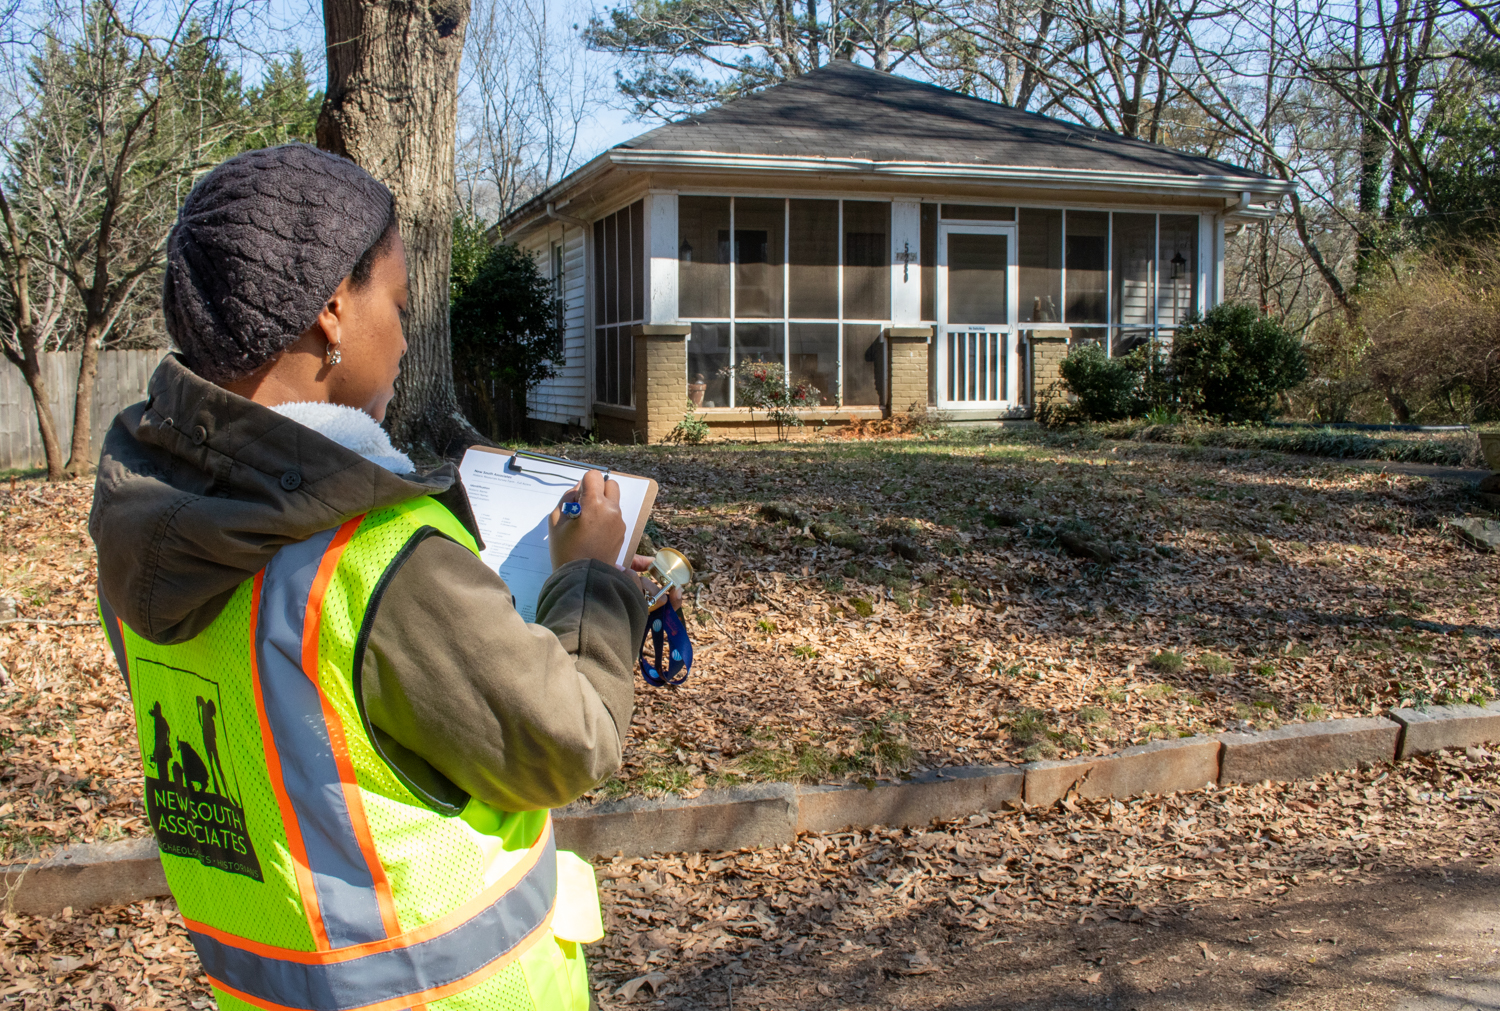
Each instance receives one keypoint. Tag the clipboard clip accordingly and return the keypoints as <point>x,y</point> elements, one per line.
<point>514,463</point>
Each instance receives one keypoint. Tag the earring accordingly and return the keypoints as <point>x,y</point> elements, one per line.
<point>335,355</point>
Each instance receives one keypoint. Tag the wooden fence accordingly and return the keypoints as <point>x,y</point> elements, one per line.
<point>122,380</point>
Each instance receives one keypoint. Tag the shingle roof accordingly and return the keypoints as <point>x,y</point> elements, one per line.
<point>843,110</point>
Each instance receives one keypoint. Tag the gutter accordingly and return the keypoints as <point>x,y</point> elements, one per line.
<point>554,214</point>
<point>1242,187</point>
<point>1054,178</point>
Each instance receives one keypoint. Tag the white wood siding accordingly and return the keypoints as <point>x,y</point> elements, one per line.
<point>564,399</point>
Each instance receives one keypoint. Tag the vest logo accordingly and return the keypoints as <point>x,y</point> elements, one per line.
<point>193,796</point>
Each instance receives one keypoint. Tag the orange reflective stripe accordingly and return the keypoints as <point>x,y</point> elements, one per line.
<point>426,932</point>
<point>311,630</point>
<point>416,999</point>
<point>296,850</point>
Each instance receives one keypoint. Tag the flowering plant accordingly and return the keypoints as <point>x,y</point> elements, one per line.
<point>764,386</point>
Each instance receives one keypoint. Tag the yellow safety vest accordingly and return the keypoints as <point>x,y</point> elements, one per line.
<point>310,874</point>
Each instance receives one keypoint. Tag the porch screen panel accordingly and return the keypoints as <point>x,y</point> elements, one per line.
<point>759,342</point>
<point>613,267</point>
<point>1087,260</point>
<point>1134,244</point>
<point>976,279</point>
<point>783,280</point>
<point>867,260</point>
<point>760,242</point>
<point>864,365</point>
<point>814,349</point>
<point>703,256</point>
<point>637,262</point>
<point>708,352</point>
<point>619,272</point>
<point>814,282</point>
<point>1039,250</point>
<point>1177,269</point>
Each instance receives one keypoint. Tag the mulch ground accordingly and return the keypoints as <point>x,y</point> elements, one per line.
<point>1053,907</point>
<point>869,608</point>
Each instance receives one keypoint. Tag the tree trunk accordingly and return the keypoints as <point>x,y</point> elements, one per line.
<point>17,260</point>
<point>81,455</point>
<point>392,108</point>
<point>36,381</point>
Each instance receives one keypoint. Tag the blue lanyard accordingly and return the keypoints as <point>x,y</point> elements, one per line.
<point>668,635</point>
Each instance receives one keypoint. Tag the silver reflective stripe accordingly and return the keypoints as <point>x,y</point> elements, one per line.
<point>345,890</point>
<point>402,972</point>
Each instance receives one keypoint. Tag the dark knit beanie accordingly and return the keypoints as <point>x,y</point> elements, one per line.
<point>259,247</point>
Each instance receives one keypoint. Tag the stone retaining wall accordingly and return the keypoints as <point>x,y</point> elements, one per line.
<point>769,814</point>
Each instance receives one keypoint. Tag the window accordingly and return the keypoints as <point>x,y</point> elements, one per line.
<point>619,301</point>
<point>806,283</point>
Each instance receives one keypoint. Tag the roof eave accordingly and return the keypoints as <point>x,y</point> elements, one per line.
<point>534,212</point>
<point>1040,177</point>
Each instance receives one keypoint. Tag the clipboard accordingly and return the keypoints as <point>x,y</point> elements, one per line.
<point>513,493</point>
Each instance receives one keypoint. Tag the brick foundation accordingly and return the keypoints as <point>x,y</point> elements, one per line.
<point>907,347</point>
<point>1048,349</point>
<point>661,396</point>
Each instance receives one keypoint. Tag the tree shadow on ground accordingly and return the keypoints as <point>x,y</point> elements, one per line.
<point>1333,946</point>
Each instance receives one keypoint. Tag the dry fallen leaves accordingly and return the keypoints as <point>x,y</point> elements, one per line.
<point>871,909</point>
<point>1288,590</point>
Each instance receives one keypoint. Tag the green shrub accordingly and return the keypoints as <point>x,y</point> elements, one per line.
<point>1233,361</point>
<point>1105,386</point>
<point>1167,662</point>
<point>691,430</point>
<point>1215,664</point>
<point>503,319</point>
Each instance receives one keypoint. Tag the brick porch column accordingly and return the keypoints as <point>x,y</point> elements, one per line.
<point>907,348</point>
<point>661,395</point>
<point>1049,346</point>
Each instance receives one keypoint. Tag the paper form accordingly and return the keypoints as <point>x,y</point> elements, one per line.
<point>512,507</point>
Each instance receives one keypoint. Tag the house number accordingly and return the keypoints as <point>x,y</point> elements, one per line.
<point>907,258</point>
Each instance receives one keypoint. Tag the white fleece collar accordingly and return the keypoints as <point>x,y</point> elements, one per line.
<point>351,428</point>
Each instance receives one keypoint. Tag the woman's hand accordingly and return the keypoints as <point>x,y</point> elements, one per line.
<point>596,532</point>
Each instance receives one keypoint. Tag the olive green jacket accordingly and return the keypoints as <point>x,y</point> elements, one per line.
<point>197,488</point>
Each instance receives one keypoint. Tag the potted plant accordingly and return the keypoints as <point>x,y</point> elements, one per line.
<point>696,389</point>
<point>1489,448</point>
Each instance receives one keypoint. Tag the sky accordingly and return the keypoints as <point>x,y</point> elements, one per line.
<point>299,23</point>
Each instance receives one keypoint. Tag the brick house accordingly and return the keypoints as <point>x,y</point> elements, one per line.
<point>890,241</point>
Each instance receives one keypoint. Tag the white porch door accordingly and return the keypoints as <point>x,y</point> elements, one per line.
<point>978,361</point>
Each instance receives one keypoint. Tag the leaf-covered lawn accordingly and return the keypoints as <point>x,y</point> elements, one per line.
<point>871,607</point>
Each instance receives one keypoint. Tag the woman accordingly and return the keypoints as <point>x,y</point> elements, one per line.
<point>389,735</point>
